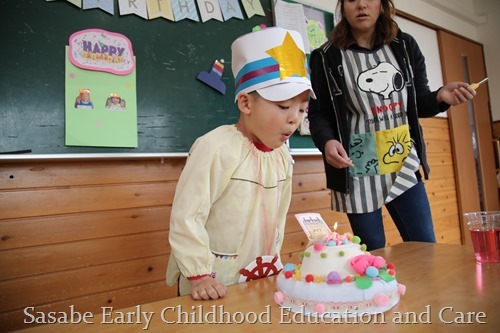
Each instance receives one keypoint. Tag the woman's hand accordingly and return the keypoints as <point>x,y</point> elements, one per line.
<point>207,288</point>
<point>336,155</point>
<point>455,93</point>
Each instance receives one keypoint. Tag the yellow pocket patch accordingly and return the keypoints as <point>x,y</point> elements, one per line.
<point>393,146</point>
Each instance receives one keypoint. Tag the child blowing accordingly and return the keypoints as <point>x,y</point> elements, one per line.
<point>233,195</point>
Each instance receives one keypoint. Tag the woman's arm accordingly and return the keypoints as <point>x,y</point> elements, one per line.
<point>321,115</point>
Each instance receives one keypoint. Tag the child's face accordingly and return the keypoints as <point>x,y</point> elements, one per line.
<point>115,100</point>
<point>272,123</point>
<point>85,97</point>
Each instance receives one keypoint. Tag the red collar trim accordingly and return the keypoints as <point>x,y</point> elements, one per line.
<point>262,147</point>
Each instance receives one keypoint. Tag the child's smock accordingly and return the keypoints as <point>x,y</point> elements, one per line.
<point>229,208</point>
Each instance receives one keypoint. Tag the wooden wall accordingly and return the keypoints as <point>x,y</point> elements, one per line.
<point>496,129</point>
<point>496,143</point>
<point>95,233</point>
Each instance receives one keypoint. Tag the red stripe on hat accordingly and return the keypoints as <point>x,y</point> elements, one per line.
<point>257,72</point>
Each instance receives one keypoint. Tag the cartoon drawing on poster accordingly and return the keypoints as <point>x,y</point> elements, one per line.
<point>315,27</point>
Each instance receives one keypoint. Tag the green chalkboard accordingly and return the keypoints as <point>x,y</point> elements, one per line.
<point>173,107</point>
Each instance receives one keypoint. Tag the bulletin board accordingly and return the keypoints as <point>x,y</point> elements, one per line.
<point>315,26</point>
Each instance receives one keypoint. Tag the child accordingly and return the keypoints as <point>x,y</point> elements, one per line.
<point>115,102</point>
<point>233,195</point>
<point>83,100</point>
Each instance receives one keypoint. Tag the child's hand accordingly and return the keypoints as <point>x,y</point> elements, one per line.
<point>207,288</point>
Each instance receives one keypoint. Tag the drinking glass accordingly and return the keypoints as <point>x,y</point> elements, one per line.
<point>484,229</point>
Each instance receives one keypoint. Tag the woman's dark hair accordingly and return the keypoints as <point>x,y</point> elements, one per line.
<point>385,30</point>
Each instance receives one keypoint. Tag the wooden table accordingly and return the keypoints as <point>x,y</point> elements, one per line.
<point>446,292</point>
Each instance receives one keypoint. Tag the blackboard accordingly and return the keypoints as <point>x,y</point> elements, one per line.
<point>173,107</point>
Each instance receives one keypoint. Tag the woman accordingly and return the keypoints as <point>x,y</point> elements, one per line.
<point>371,86</point>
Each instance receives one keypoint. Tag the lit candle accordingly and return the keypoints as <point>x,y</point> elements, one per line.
<point>333,236</point>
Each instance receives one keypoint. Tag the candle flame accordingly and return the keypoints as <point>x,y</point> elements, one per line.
<point>335,226</point>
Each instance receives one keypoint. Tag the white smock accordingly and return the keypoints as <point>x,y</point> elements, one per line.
<point>229,208</point>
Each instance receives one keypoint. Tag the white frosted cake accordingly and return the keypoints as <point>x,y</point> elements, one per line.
<point>338,278</point>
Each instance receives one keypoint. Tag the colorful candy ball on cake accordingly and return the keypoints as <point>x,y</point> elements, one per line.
<point>320,308</point>
<point>381,299</point>
<point>318,247</point>
<point>279,297</point>
<point>334,277</point>
<point>371,271</point>
<point>401,289</point>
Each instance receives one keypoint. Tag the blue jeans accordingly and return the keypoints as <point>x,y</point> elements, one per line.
<point>411,214</point>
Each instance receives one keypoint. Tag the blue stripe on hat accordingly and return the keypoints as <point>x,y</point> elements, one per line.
<point>257,80</point>
<point>255,65</point>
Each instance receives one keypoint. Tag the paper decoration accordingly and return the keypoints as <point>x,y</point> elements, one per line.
<point>90,120</point>
<point>77,3</point>
<point>101,108</point>
<point>315,27</point>
<point>304,123</point>
<point>261,267</point>
<point>213,79</point>
<point>209,9</point>
<point>137,7</point>
<point>101,50</point>
<point>313,225</point>
<point>106,5</point>
<point>291,16</point>
<point>309,22</point>
<point>185,9</point>
<point>160,8</point>
<point>230,9</point>
<point>177,10</point>
<point>253,7</point>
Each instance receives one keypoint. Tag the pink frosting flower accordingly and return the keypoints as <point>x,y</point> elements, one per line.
<point>363,261</point>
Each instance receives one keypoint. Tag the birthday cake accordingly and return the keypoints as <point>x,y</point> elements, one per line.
<point>338,278</point>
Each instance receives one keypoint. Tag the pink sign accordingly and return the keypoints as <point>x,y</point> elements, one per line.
<point>101,50</point>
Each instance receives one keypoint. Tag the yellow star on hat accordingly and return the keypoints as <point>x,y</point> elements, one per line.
<point>290,57</point>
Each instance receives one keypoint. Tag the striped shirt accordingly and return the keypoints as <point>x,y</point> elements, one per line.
<point>380,144</point>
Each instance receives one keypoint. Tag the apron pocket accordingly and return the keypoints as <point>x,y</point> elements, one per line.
<point>226,268</point>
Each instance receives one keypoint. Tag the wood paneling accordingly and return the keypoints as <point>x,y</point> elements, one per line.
<point>475,166</point>
<point>27,232</point>
<point>496,129</point>
<point>95,233</point>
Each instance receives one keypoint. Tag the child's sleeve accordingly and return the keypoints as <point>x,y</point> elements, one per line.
<point>205,176</point>
<point>286,197</point>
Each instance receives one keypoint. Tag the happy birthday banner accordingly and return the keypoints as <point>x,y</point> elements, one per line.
<point>177,10</point>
